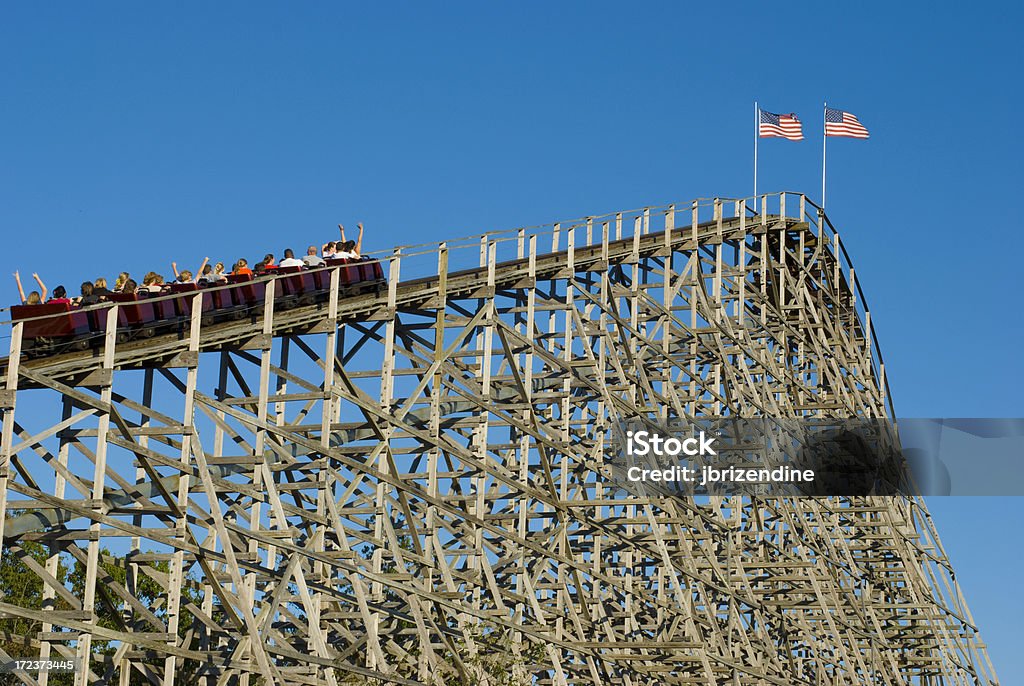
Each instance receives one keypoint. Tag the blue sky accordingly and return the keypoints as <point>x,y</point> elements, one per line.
<point>135,134</point>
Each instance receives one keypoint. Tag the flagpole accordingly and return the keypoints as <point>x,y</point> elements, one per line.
<point>757,121</point>
<point>824,138</point>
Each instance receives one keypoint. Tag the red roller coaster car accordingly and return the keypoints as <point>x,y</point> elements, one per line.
<point>61,327</point>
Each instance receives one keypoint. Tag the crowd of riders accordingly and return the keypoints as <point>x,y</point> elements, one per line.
<point>153,283</point>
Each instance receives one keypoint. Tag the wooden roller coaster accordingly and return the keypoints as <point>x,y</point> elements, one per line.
<point>407,485</point>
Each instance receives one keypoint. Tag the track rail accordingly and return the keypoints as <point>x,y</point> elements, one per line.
<point>76,368</point>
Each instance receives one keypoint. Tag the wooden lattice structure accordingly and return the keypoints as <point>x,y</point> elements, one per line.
<point>410,486</point>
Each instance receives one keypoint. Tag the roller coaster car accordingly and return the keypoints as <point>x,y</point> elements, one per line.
<point>61,327</point>
<point>358,276</point>
<point>135,315</point>
<point>294,287</point>
<point>247,293</point>
<point>52,328</point>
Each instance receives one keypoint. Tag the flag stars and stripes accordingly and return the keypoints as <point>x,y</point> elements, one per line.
<point>780,125</point>
<point>840,123</point>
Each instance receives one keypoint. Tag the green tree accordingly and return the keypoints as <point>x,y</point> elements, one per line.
<point>20,585</point>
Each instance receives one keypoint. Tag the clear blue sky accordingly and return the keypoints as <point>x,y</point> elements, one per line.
<point>136,134</point>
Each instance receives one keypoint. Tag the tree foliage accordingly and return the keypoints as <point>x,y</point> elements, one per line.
<point>21,586</point>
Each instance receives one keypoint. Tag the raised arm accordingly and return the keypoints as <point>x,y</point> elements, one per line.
<point>42,287</point>
<point>174,267</point>
<point>199,272</point>
<point>342,229</point>
<point>359,241</point>
<point>21,291</point>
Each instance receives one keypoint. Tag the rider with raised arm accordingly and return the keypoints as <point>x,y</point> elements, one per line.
<point>34,297</point>
<point>350,249</point>
<point>186,276</point>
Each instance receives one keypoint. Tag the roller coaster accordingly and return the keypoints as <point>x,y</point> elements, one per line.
<point>401,479</point>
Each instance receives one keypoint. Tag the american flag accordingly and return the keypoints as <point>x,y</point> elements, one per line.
<point>780,125</point>
<point>839,123</point>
